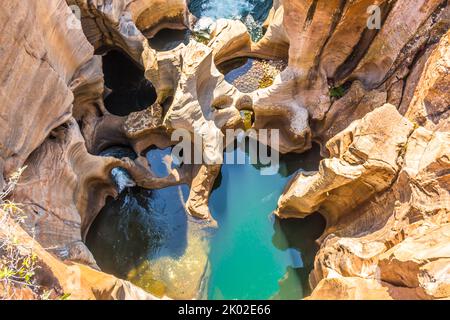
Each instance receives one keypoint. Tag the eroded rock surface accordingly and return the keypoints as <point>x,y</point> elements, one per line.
<point>387,223</point>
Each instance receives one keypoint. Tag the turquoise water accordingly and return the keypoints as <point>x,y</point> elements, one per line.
<point>231,9</point>
<point>254,255</point>
<point>146,236</point>
<point>251,12</point>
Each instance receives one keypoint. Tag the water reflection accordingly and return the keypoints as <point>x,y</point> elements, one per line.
<point>297,237</point>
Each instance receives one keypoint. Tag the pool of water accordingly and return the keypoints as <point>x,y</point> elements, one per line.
<point>253,255</point>
<point>129,90</point>
<point>231,9</point>
<point>251,12</point>
<point>147,237</point>
<point>251,74</point>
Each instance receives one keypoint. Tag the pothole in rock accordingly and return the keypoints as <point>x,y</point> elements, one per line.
<point>130,91</point>
<point>169,39</point>
<point>249,74</point>
<point>145,236</point>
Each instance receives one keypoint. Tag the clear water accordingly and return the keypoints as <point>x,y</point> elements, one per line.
<point>254,255</point>
<point>146,237</point>
<point>120,176</point>
<point>251,12</point>
<point>231,9</point>
<point>233,74</point>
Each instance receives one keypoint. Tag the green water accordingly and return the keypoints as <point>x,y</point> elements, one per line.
<point>146,236</point>
<point>254,255</point>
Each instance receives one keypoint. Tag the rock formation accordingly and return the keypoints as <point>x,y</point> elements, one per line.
<point>396,241</point>
<point>376,100</point>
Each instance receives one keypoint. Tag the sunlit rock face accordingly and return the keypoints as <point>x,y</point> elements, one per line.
<point>386,200</point>
<point>146,236</point>
<point>125,24</point>
<point>63,84</point>
<point>383,186</point>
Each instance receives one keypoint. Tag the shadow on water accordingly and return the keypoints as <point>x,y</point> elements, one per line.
<point>297,236</point>
<point>140,224</point>
<point>145,236</point>
<point>291,163</point>
<point>169,39</point>
<point>131,91</point>
<point>254,255</point>
<point>134,228</point>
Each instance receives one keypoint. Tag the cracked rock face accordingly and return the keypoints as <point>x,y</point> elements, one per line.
<point>387,211</point>
<point>383,186</point>
<point>363,161</point>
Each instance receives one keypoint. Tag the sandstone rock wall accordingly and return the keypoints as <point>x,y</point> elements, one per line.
<point>385,194</point>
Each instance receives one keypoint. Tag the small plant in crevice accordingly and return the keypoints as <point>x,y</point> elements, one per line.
<point>266,81</point>
<point>200,38</point>
<point>337,92</point>
<point>18,260</point>
<point>247,118</point>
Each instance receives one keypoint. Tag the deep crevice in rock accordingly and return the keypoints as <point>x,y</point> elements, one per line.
<point>250,74</point>
<point>169,39</point>
<point>130,90</point>
<point>360,49</point>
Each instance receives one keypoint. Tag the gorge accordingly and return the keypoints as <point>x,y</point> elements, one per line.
<point>357,209</point>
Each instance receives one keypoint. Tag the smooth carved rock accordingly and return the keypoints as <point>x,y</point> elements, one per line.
<point>420,261</point>
<point>77,281</point>
<point>384,188</point>
<point>201,103</point>
<point>350,38</point>
<point>353,106</point>
<point>230,40</point>
<point>151,16</point>
<point>48,63</point>
<point>388,244</point>
<point>201,188</point>
<point>88,106</point>
<point>123,23</point>
<point>400,27</point>
<point>62,190</point>
<point>363,161</point>
<point>275,43</point>
<point>354,288</point>
<point>64,186</point>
